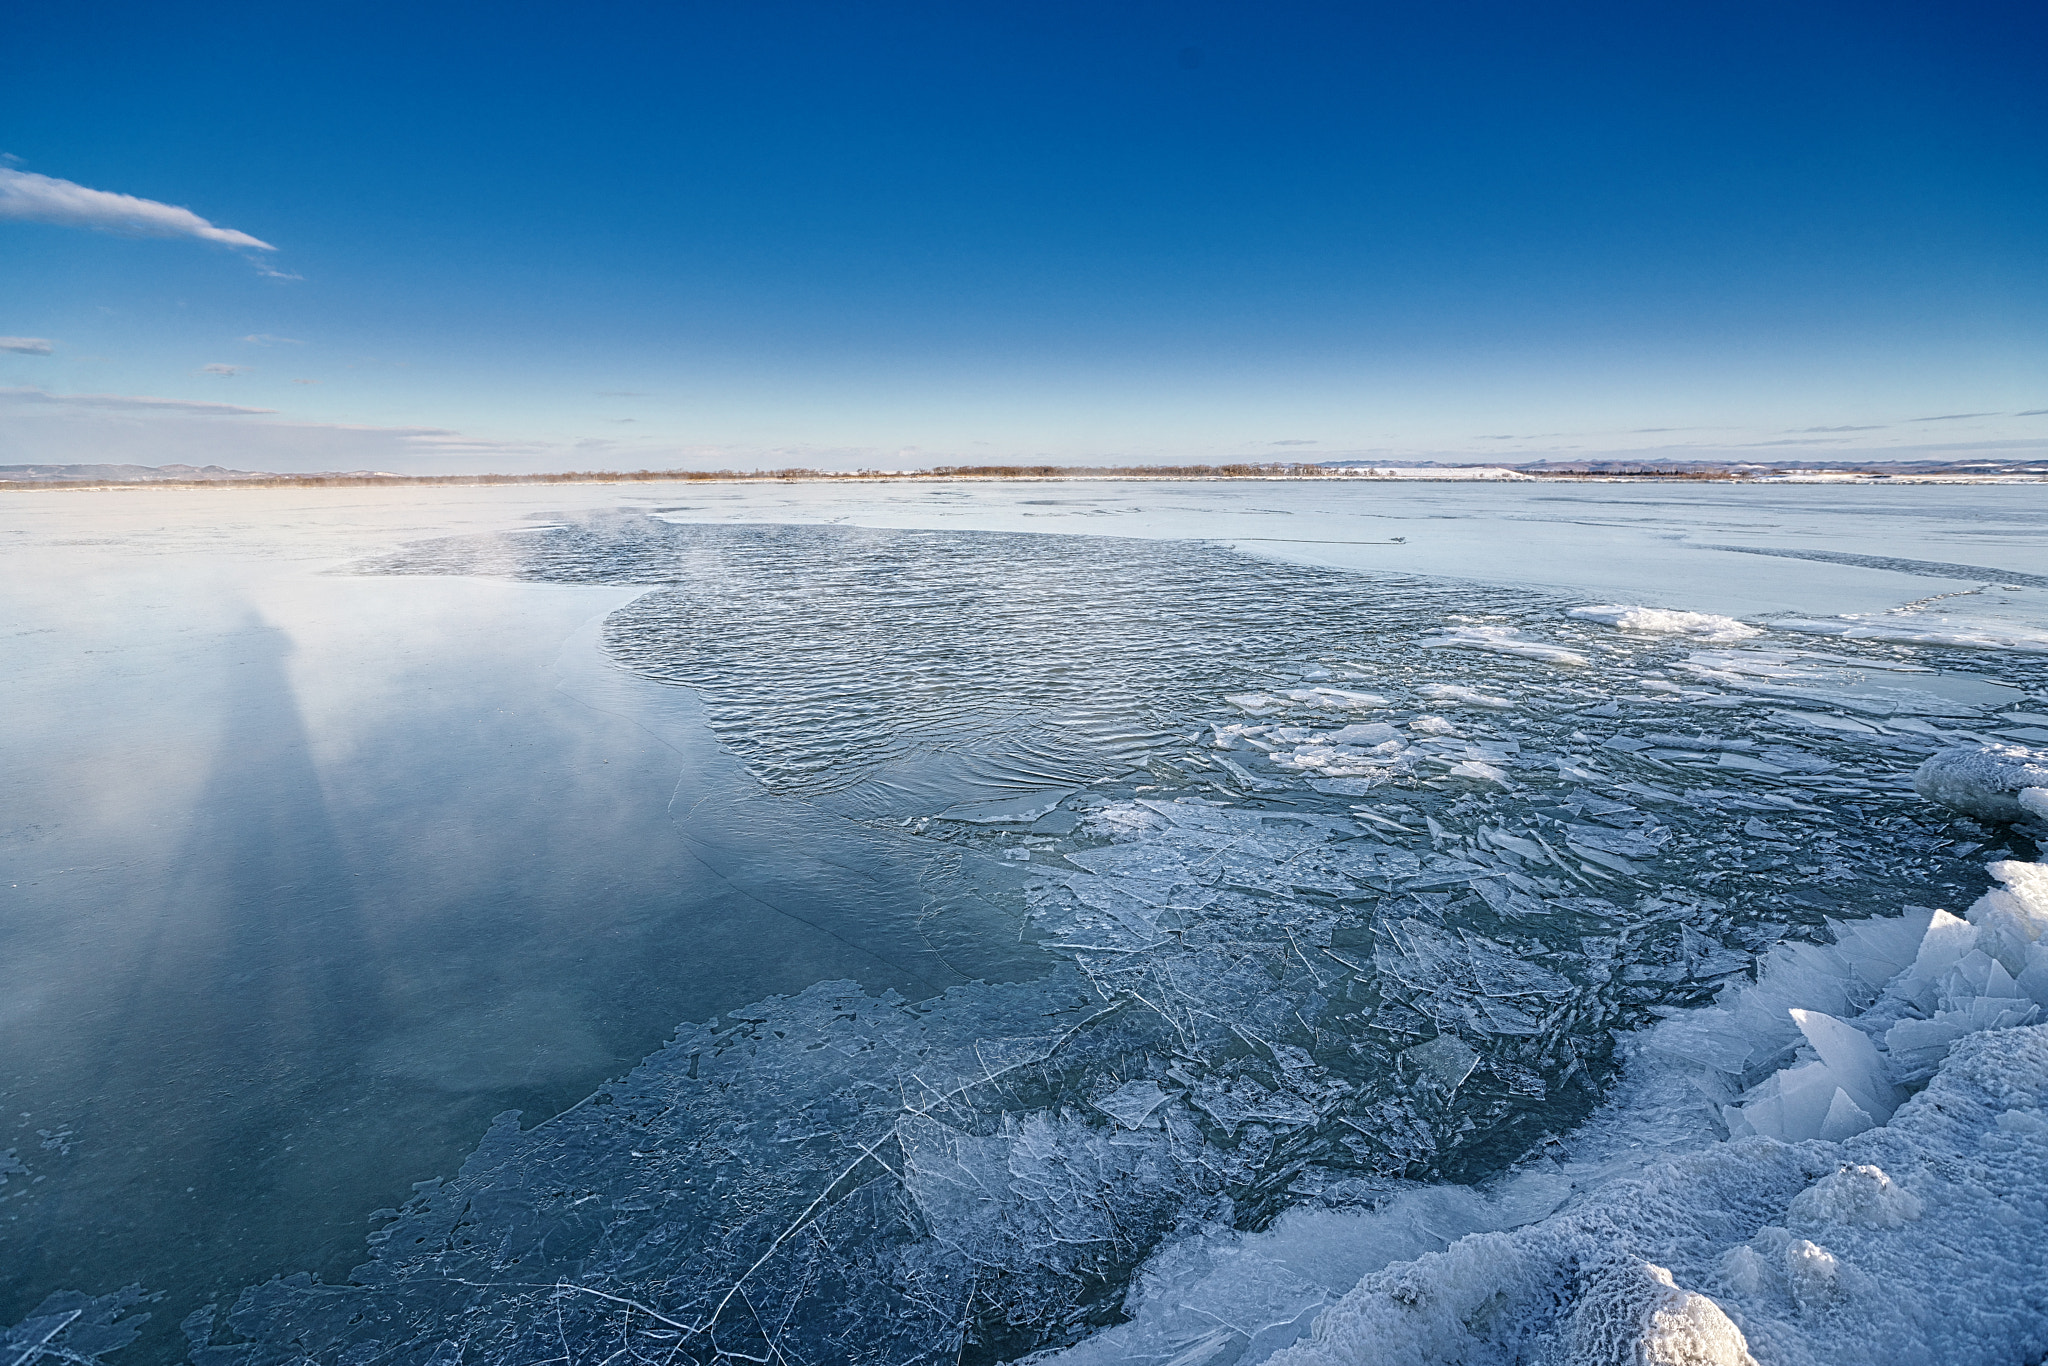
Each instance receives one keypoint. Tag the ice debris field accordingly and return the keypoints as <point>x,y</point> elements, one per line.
<point>1409,971</point>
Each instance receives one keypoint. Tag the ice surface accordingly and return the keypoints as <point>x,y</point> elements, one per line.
<point>74,1328</point>
<point>1905,629</point>
<point>1257,1005</point>
<point>1853,1062</point>
<point>1224,1296</point>
<point>1458,695</point>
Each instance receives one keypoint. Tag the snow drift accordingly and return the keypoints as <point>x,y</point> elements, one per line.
<point>1664,621</point>
<point>1842,1219</point>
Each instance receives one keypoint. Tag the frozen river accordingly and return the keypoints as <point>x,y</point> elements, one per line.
<point>899,913</point>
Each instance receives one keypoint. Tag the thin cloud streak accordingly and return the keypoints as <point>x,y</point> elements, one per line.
<point>26,346</point>
<point>30,198</point>
<point>125,401</point>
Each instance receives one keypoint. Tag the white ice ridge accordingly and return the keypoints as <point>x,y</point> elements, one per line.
<point>1501,640</point>
<point>1841,1221</point>
<point>1962,632</point>
<point>1663,621</point>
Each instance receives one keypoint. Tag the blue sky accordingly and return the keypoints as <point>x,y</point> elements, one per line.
<point>852,235</point>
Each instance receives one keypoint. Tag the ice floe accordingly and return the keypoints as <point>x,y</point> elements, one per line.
<point>1459,695</point>
<point>1502,640</point>
<point>1664,621</point>
<point>1989,781</point>
<point>1963,633</point>
<point>74,1328</point>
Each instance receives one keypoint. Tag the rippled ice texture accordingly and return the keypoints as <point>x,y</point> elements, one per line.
<point>1338,883</point>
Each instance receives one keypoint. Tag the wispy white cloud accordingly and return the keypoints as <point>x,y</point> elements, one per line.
<point>224,371</point>
<point>126,401</point>
<point>265,339</point>
<point>26,346</point>
<point>31,198</point>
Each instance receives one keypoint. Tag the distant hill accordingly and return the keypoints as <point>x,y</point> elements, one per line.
<point>1733,469</point>
<point>121,474</point>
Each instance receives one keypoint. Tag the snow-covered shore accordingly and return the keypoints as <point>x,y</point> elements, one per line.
<point>1845,1161</point>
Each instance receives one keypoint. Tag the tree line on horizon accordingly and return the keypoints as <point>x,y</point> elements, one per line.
<point>1230,471</point>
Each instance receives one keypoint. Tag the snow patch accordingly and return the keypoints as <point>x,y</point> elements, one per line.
<point>1913,1243</point>
<point>1840,1222</point>
<point>1661,621</point>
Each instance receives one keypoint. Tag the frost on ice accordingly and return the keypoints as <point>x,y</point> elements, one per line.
<point>1342,888</point>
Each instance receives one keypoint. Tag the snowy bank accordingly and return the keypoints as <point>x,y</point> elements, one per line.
<point>1916,1242</point>
<point>1841,1219</point>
